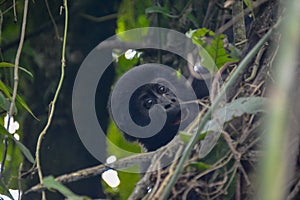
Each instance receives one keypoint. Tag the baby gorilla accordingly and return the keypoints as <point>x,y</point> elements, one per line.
<point>158,92</point>
<point>142,100</point>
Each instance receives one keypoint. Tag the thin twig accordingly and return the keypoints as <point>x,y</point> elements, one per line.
<point>246,177</point>
<point>53,21</point>
<point>52,104</point>
<point>8,9</point>
<point>239,28</point>
<point>231,146</point>
<point>169,176</point>
<point>17,60</point>
<point>99,19</point>
<point>15,11</point>
<point>16,81</point>
<point>294,192</point>
<point>237,17</point>
<point>123,163</point>
<point>210,7</point>
<point>117,165</point>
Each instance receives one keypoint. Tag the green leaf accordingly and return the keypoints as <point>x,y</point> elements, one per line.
<point>211,131</point>
<point>132,15</point>
<point>21,146</point>
<point>22,103</point>
<point>237,108</point>
<point>213,45</point>
<point>4,89</point>
<point>19,100</point>
<point>24,150</point>
<point>125,64</point>
<point>116,137</point>
<point>3,100</point>
<point>201,166</point>
<point>5,104</point>
<point>51,183</point>
<point>247,3</point>
<point>240,106</point>
<point>128,182</point>
<point>185,137</point>
<point>6,64</point>
<point>234,52</point>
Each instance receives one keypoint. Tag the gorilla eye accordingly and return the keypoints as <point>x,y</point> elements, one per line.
<point>148,103</point>
<point>162,89</point>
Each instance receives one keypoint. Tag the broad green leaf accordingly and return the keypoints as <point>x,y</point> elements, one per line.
<point>213,45</point>
<point>116,137</point>
<point>21,146</point>
<point>236,108</point>
<point>218,52</point>
<point>125,64</point>
<point>6,64</point>
<point>240,106</point>
<point>128,182</point>
<point>51,183</point>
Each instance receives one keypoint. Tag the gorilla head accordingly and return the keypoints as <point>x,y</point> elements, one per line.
<point>159,91</point>
<point>142,100</point>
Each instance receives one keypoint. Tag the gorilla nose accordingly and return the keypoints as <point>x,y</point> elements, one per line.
<point>167,106</point>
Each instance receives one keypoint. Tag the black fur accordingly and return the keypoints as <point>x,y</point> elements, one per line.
<point>160,93</point>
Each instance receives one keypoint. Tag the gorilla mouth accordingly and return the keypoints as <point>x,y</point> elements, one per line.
<point>181,116</point>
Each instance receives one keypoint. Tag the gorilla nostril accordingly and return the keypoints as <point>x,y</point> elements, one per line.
<point>167,106</point>
<point>173,100</point>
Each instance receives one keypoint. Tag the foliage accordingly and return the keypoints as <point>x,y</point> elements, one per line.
<point>223,115</point>
<point>213,44</point>
<point>123,191</point>
<point>132,15</point>
<point>23,149</point>
<point>15,148</point>
<point>215,160</point>
<point>118,141</point>
<point>50,183</point>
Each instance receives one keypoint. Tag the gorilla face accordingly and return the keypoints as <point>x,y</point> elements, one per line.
<point>145,97</point>
<point>142,100</point>
<point>159,89</point>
